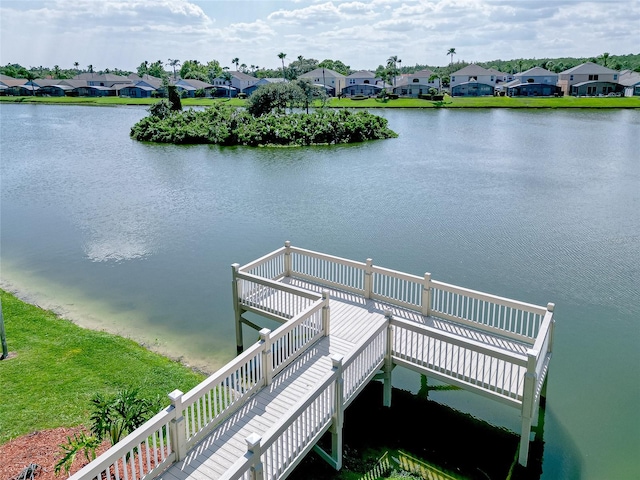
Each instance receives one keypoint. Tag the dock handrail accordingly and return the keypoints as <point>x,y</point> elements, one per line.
<point>510,318</point>
<point>143,453</point>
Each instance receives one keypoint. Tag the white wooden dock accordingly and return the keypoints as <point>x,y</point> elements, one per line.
<point>343,322</point>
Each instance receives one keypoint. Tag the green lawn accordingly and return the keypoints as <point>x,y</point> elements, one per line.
<point>60,366</point>
<point>449,102</point>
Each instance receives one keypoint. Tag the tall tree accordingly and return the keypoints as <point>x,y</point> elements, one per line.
<point>451,52</point>
<point>236,62</point>
<point>76,65</point>
<point>226,76</point>
<point>392,66</point>
<point>56,71</point>
<point>282,56</point>
<point>90,68</point>
<point>604,57</point>
<point>31,76</point>
<point>174,62</point>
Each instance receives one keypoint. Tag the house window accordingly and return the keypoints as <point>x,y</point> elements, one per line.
<point>366,81</point>
<point>593,77</point>
<point>530,80</point>
<point>492,78</point>
<point>615,77</point>
<point>416,80</point>
<point>571,78</point>
<point>352,81</point>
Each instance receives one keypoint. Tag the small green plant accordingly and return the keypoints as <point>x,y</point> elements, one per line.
<point>117,416</point>
<point>87,444</point>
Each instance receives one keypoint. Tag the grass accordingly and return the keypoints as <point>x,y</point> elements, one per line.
<point>59,366</point>
<point>110,101</point>
<point>449,102</point>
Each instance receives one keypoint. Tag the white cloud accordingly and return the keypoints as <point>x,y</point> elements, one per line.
<point>123,33</point>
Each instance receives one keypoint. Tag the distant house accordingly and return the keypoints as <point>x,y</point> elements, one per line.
<point>415,84</point>
<point>240,81</point>
<point>630,81</point>
<point>263,81</point>
<point>14,86</point>
<point>102,80</point>
<point>93,91</point>
<point>333,81</point>
<point>500,78</point>
<point>187,87</point>
<point>367,89</point>
<point>55,90</point>
<point>142,87</point>
<point>472,81</point>
<point>589,79</point>
<point>364,77</point>
<point>536,81</point>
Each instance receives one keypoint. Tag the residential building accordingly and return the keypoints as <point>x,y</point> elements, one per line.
<point>589,79</point>
<point>418,83</point>
<point>263,81</point>
<point>102,80</point>
<point>472,81</point>
<point>332,81</point>
<point>536,81</point>
<point>630,81</point>
<point>239,81</point>
<point>187,87</point>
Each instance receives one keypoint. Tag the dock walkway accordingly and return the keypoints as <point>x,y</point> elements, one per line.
<point>343,322</point>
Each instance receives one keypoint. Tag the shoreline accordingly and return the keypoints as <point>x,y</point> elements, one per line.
<point>534,103</point>
<point>90,321</point>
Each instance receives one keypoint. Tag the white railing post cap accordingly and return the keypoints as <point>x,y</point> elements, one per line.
<point>253,441</point>
<point>235,266</point>
<point>173,396</point>
<point>325,293</point>
<point>551,306</point>
<point>287,244</point>
<point>336,360</point>
<point>387,313</point>
<point>264,332</point>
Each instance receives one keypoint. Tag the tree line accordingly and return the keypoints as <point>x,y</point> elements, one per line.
<point>390,69</point>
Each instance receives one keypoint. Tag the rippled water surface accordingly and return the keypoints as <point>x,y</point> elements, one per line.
<point>539,206</point>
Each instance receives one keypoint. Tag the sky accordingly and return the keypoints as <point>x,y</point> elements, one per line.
<point>362,34</point>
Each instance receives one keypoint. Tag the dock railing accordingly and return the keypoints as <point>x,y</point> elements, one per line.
<point>498,315</point>
<point>280,449</point>
<point>168,436</point>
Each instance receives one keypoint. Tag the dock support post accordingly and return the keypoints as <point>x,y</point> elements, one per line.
<point>426,295</point>
<point>388,364</point>
<point>267,357</point>
<point>338,417</point>
<point>368,278</point>
<point>253,448</point>
<point>236,308</point>
<point>287,258</point>
<point>326,323</point>
<point>528,407</point>
<point>177,430</point>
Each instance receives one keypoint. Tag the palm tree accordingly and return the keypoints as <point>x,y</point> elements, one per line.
<point>76,65</point>
<point>226,75</point>
<point>243,67</point>
<point>604,57</point>
<point>392,65</point>
<point>281,56</point>
<point>31,76</point>
<point>174,63</point>
<point>90,69</point>
<point>56,71</point>
<point>452,52</point>
<point>236,62</point>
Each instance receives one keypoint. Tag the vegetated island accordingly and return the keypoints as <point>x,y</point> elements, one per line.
<point>265,121</point>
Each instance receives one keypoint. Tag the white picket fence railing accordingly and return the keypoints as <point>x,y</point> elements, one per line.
<point>145,452</point>
<point>498,315</point>
<point>275,454</point>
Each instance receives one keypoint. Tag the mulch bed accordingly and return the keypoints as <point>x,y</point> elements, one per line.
<point>43,449</point>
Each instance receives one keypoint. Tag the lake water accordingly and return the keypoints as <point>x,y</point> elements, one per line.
<point>540,206</point>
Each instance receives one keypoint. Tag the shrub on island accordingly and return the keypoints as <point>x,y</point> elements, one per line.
<point>264,122</point>
<point>225,125</point>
